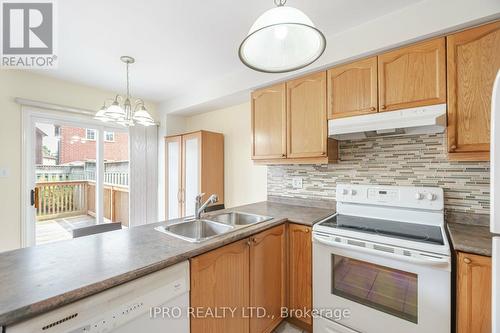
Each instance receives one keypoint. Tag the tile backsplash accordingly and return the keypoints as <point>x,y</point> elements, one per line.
<point>418,160</point>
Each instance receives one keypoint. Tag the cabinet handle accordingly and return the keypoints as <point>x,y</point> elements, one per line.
<point>306,230</point>
<point>323,154</point>
<point>249,242</point>
<point>373,108</point>
<point>453,147</point>
<point>283,155</point>
<point>467,260</point>
<point>382,107</point>
<point>254,240</point>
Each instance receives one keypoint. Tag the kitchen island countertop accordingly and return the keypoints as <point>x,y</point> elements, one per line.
<point>38,279</point>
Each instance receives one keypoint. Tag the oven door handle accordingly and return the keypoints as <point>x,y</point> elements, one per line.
<point>428,261</point>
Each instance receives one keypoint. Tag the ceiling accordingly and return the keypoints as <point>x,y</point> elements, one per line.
<point>178,44</point>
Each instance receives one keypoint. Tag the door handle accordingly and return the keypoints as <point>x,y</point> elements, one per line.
<point>34,197</point>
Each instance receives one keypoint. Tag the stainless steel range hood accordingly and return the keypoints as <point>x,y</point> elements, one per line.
<point>421,120</point>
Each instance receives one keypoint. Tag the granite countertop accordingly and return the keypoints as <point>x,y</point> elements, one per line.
<point>38,279</point>
<point>470,233</point>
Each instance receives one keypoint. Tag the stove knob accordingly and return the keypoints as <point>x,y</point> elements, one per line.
<point>345,191</point>
<point>419,196</point>
<point>431,196</point>
<point>353,192</point>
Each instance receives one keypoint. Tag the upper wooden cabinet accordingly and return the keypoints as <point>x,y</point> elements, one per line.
<point>412,76</point>
<point>473,293</point>
<point>352,89</point>
<point>290,125</point>
<point>307,130</point>
<point>194,164</point>
<point>269,122</point>
<point>300,271</point>
<point>473,62</point>
<point>267,277</point>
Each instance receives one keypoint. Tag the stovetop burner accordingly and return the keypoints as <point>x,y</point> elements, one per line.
<point>402,230</point>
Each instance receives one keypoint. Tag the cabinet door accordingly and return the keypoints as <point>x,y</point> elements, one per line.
<point>267,277</point>
<point>412,76</point>
<point>173,177</point>
<point>473,293</point>
<point>219,279</point>
<point>352,89</point>
<point>269,123</point>
<point>191,151</point>
<point>307,130</point>
<point>300,269</point>
<point>473,62</point>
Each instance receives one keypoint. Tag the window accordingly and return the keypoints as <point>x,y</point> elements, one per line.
<point>90,134</point>
<point>109,136</point>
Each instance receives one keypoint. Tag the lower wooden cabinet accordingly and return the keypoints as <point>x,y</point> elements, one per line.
<point>300,272</point>
<point>267,277</point>
<point>473,293</point>
<point>220,279</point>
<point>245,274</point>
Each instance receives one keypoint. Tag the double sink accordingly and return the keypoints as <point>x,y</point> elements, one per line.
<point>196,231</point>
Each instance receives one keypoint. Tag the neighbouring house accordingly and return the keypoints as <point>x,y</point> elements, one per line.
<point>78,145</point>
<point>39,145</point>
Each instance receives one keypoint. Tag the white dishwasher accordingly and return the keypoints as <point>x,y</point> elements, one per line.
<point>126,308</point>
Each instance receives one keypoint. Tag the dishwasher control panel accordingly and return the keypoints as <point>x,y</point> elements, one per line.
<point>118,307</point>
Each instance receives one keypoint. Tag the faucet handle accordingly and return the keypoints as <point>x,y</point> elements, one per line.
<point>199,196</point>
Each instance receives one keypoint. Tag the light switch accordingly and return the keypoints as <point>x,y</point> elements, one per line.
<point>297,182</point>
<point>4,172</point>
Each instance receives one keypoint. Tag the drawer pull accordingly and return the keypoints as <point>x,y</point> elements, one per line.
<point>373,108</point>
<point>467,260</point>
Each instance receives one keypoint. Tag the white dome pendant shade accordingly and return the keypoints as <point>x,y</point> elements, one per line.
<point>283,39</point>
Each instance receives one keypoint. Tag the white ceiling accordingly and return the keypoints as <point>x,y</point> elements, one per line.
<point>178,44</point>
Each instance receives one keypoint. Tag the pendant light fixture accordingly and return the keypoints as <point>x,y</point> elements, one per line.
<point>124,114</point>
<point>283,39</point>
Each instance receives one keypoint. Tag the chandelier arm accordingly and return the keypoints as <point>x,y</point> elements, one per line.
<point>279,3</point>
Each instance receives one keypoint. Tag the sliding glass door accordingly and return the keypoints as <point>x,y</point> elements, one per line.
<point>77,176</point>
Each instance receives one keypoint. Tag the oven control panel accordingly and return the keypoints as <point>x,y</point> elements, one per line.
<point>431,198</point>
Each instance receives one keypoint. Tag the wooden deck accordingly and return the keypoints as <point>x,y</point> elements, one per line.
<point>60,229</point>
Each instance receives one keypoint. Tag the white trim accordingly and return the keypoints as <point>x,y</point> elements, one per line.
<point>53,107</point>
<point>62,108</point>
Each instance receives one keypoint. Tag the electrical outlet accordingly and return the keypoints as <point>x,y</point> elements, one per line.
<point>4,172</point>
<point>297,182</point>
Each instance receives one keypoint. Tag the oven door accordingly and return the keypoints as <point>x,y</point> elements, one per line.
<point>385,288</point>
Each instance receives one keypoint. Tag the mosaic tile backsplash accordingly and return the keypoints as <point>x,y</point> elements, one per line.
<point>418,160</point>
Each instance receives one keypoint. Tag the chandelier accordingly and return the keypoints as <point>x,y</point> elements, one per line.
<point>282,39</point>
<point>121,111</point>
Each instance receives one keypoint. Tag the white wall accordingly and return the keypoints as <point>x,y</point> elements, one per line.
<point>424,19</point>
<point>16,83</point>
<point>244,182</point>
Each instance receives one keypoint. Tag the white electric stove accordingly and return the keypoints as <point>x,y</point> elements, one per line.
<point>383,261</point>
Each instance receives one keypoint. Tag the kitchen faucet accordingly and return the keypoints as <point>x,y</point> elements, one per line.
<point>199,207</point>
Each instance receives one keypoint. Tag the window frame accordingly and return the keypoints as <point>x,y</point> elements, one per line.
<point>106,136</point>
<point>90,130</point>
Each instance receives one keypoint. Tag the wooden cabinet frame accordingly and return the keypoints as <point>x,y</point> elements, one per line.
<point>210,168</point>
<point>479,151</point>
<point>435,46</point>
<point>351,72</point>
<point>473,293</point>
<point>272,110</point>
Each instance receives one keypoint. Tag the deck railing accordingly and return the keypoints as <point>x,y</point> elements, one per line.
<point>72,198</point>
<point>61,199</point>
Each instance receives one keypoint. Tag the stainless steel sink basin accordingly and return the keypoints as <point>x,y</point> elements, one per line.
<point>196,231</point>
<point>238,219</point>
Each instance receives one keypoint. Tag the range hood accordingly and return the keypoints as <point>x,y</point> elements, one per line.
<point>421,120</point>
